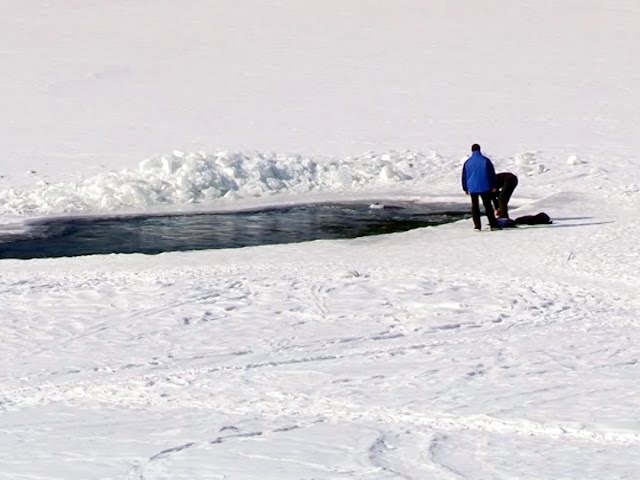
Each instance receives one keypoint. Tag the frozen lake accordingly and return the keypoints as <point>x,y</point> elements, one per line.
<point>152,234</point>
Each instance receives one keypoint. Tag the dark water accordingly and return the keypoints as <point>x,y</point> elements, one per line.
<point>154,234</point>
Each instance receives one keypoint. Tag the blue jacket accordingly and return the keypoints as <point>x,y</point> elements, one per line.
<point>478,174</point>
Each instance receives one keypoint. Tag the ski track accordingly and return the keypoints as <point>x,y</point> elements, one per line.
<point>170,380</point>
<point>423,325</point>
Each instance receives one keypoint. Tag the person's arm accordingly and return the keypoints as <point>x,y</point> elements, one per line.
<point>464,178</point>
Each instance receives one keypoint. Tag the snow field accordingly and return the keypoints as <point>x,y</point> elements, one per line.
<point>437,353</point>
<point>391,360</point>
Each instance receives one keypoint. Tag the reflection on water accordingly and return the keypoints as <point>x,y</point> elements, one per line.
<point>155,234</point>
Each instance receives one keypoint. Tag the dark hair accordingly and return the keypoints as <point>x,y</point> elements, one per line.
<point>475,147</point>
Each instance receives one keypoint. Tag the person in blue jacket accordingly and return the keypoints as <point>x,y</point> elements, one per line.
<point>479,181</point>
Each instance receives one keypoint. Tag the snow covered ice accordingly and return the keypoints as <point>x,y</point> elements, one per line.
<point>434,353</point>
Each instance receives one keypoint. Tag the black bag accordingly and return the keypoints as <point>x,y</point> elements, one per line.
<point>538,219</point>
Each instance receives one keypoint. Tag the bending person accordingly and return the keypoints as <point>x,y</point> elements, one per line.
<point>506,183</point>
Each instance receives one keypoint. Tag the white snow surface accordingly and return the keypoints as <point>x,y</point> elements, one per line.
<point>436,353</point>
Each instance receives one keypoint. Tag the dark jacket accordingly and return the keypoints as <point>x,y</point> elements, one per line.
<point>506,180</point>
<point>506,183</point>
<point>478,174</point>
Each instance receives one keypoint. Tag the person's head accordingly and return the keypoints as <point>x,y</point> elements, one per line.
<point>475,147</point>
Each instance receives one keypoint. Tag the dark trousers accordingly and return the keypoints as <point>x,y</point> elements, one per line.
<point>488,209</point>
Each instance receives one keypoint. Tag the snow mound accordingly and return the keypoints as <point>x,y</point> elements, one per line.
<point>181,178</point>
<point>574,160</point>
<point>527,163</point>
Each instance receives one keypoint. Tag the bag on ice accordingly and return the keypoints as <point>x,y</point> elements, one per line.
<point>538,219</point>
